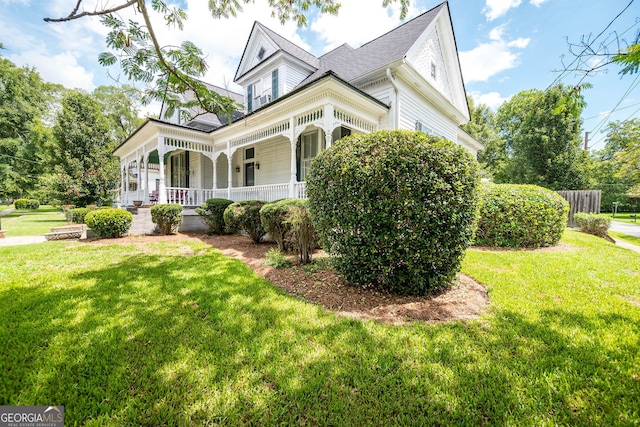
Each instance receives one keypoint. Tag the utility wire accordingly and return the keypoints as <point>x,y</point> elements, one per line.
<point>20,158</point>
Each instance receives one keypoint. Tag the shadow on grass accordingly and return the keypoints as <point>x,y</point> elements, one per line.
<point>159,338</point>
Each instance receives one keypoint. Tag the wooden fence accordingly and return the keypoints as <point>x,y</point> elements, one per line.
<point>581,201</point>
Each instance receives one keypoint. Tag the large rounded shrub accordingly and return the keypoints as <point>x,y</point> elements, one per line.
<point>212,212</point>
<point>22,204</point>
<point>395,208</point>
<point>520,216</point>
<point>167,217</point>
<point>107,223</point>
<point>245,216</point>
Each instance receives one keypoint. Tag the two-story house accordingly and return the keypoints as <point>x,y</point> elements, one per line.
<point>296,105</point>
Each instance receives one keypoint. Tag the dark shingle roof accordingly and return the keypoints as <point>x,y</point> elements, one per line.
<point>350,64</point>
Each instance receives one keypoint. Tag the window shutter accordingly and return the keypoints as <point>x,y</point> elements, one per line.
<point>274,84</point>
<point>250,97</point>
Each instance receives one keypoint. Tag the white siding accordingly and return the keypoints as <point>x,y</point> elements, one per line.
<point>275,162</point>
<point>414,108</point>
<point>222,171</point>
<point>194,167</point>
<point>207,171</point>
<point>383,92</point>
<point>292,77</point>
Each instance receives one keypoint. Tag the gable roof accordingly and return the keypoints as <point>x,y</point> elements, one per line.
<point>386,49</point>
<point>283,45</point>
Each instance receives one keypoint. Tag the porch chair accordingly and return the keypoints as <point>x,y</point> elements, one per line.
<point>153,197</point>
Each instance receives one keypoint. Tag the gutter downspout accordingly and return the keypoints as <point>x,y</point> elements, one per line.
<point>396,112</point>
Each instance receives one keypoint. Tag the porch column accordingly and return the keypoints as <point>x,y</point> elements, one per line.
<point>215,175</point>
<point>126,171</point>
<point>138,176</point>
<point>328,125</point>
<point>162,197</point>
<point>293,178</point>
<point>123,165</point>
<point>145,183</point>
<point>229,171</point>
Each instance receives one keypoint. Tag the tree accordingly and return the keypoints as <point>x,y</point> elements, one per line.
<point>541,132</point>
<point>120,106</point>
<point>84,169</point>
<point>170,71</point>
<point>625,137</point>
<point>482,127</point>
<point>23,100</point>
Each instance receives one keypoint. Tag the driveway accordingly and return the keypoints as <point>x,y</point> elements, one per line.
<point>21,240</point>
<point>628,229</point>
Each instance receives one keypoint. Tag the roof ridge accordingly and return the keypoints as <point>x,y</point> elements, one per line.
<point>404,24</point>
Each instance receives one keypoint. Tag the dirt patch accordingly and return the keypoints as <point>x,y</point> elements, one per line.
<point>466,299</point>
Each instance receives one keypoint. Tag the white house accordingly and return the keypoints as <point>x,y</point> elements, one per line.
<point>296,105</point>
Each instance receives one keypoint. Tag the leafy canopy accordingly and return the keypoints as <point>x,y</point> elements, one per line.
<point>169,71</point>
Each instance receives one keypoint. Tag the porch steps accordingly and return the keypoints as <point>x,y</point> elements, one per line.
<point>66,233</point>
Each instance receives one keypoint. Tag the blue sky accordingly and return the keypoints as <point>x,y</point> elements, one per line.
<point>505,45</point>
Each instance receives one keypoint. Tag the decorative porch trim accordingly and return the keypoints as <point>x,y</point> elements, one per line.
<point>343,118</point>
<point>175,144</point>
<point>278,129</point>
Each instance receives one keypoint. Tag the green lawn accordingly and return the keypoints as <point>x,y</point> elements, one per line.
<point>177,334</point>
<point>626,217</point>
<point>32,222</point>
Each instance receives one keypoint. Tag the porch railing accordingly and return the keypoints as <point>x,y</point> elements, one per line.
<point>195,196</point>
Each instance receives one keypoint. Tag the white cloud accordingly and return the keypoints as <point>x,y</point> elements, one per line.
<point>497,8</point>
<point>358,22</point>
<point>61,68</point>
<point>492,99</point>
<point>489,59</point>
<point>537,3</point>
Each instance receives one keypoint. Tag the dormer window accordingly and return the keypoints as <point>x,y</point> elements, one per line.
<point>261,53</point>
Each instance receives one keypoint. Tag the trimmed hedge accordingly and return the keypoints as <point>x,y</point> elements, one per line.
<point>212,212</point>
<point>108,223</point>
<point>520,216</point>
<point>396,209</point>
<point>274,216</point>
<point>23,204</point>
<point>596,224</point>
<point>167,217</point>
<point>245,216</point>
<point>78,215</point>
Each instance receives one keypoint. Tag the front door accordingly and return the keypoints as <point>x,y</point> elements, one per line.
<point>249,174</point>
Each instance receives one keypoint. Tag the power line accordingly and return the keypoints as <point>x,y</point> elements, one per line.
<point>561,75</point>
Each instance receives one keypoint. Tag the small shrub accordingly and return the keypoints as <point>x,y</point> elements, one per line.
<point>245,216</point>
<point>212,212</point>
<point>396,209</point>
<point>520,216</point>
<point>33,204</point>
<point>303,235</point>
<point>108,223</point>
<point>67,212</point>
<point>167,217</point>
<point>596,224</point>
<point>20,204</point>
<point>276,259</point>
<point>78,215</point>
<point>274,218</point>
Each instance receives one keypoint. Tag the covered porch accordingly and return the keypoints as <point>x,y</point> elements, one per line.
<point>263,156</point>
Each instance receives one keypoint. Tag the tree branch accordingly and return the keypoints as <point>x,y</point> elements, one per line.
<point>73,15</point>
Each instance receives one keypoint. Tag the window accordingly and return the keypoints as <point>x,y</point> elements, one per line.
<point>261,53</point>
<point>250,98</point>
<point>434,70</point>
<point>309,147</point>
<point>249,153</point>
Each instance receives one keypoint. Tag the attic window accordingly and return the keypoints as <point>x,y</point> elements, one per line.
<point>434,70</point>
<point>261,53</point>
